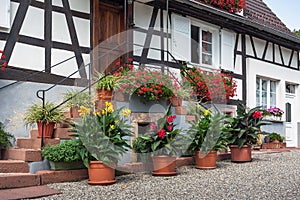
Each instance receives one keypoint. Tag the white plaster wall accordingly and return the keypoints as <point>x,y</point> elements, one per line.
<point>82,27</point>
<point>33,24</point>
<point>60,31</point>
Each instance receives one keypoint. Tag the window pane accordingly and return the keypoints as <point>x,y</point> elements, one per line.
<point>288,112</point>
<point>207,59</point>
<point>257,84</point>
<point>264,100</point>
<point>272,99</point>
<point>273,86</point>
<point>264,85</point>
<point>257,98</point>
<point>292,89</point>
<point>207,36</point>
<point>195,44</point>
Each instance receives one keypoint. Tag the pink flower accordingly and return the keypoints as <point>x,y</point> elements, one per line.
<point>257,114</point>
<point>170,119</point>
<point>170,127</point>
<point>118,63</point>
<point>152,126</point>
<point>161,133</point>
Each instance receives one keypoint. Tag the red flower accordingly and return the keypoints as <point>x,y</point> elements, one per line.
<point>170,127</point>
<point>257,114</point>
<point>170,119</point>
<point>130,59</point>
<point>3,56</point>
<point>118,63</point>
<point>161,133</point>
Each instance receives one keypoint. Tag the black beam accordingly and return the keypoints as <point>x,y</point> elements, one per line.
<point>265,50</point>
<point>48,34</point>
<point>253,46</point>
<point>244,68</point>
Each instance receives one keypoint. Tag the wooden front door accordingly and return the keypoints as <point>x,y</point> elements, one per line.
<point>108,24</point>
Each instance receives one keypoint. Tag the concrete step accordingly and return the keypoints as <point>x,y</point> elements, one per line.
<point>13,166</point>
<point>17,180</point>
<point>28,155</point>
<point>30,143</point>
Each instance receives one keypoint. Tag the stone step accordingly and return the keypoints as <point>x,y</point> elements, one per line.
<point>28,155</point>
<point>30,143</point>
<point>17,180</point>
<point>63,133</point>
<point>13,166</point>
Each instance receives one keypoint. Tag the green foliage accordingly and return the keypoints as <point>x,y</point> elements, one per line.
<point>5,137</point>
<point>67,151</point>
<point>207,132</point>
<point>36,113</point>
<point>244,128</point>
<point>275,136</point>
<point>106,82</point>
<point>104,135</point>
<point>297,32</point>
<point>77,99</point>
<point>163,139</point>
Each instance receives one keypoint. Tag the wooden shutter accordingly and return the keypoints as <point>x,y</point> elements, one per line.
<point>5,13</point>
<point>181,37</point>
<point>227,50</point>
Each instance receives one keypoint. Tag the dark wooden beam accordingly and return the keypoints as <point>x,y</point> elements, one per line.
<point>48,34</point>
<point>273,52</point>
<point>235,48</point>
<point>74,39</point>
<point>15,29</point>
<point>291,58</point>
<point>281,56</point>
<point>149,36</point>
<point>244,69</point>
<point>253,46</point>
<point>162,38</point>
<point>265,50</point>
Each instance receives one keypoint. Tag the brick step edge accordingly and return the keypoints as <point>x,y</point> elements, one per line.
<point>14,166</point>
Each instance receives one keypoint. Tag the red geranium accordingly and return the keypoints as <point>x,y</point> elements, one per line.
<point>161,133</point>
<point>257,114</point>
<point>3,63</point>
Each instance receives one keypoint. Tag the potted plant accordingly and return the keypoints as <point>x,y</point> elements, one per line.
<point>65,155</point>
<point>207,138</point>
<point>104,136</point>
<point>6,138</point>
<point>273,113</point>
<point>274,140</point>
<point>49,116</point>
<point>164,142</point>
<point>75,99</point>
<point>105,85</point>
<point>148,85</point>
<point>243,131</point>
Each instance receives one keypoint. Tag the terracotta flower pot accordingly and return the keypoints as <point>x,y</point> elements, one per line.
<point>105,94</point>
<point>242,154</point>
<point>48,129</point>
<point>175,101</point>
<point>100,174</point>
<point>206,160</point>
<point>164,165</point>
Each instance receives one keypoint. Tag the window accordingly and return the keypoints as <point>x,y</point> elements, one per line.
<point>201,45</point>
<point>288,112</point>
<point>290,88</point>
<point>265,93</point>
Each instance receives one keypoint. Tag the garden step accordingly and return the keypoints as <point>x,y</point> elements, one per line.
<point>28,155</point>
<point>63,133</point>
<point>17,180</point>
<point>50,176</point>
<point>34,133</point>
<point>13,166</point>
<point>30,143</point>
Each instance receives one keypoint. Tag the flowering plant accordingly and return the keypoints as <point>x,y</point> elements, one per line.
<point>3,62</point>
<point>207,132</point>
<point>209,86</point>
<point>162,139</point>
<point>103,133</point>
<point>243,129</point>
<point>149,85</point>
<point>229,5</point>
<point>274,111</point>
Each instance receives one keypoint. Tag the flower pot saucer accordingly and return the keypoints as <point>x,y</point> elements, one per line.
<point>206,168</point>
<point>164,173</point>
<point>101,182</point>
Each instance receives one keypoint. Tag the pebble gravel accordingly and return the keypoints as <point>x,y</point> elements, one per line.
<point>268,176</point>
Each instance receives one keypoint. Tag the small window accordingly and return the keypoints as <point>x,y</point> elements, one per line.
<point>265,93</point>
<point>290,88</point>
<point>288,112</point>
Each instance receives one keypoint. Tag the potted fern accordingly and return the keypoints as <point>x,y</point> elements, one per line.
<point>49,115</point>
<point>105,86</point>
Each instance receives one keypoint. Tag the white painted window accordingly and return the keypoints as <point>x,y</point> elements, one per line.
<point>227,50</point>
<point>5,13</point>
<point>265,92</point>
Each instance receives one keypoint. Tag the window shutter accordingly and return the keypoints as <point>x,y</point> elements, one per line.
<point>5,13</point>
<point>227,50</point>
<point>181,37</point>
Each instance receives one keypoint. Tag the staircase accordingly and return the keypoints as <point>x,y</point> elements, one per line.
<point>23,166</point>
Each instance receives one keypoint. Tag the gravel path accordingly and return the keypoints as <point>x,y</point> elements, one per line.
<point>268,176</point>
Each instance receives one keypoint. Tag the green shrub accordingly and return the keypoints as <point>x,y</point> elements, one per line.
<point>6,138</point>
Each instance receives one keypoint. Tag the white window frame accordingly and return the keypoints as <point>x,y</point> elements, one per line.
<point>215,44</point>
<point>268,105</point>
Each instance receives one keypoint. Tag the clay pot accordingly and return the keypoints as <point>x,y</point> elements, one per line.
<point>206,160</point>
<point>48,129</point>
<point>164,165</point>
<point>104,94</point>
<point>175,101</point>
<point>100,174</point>
<point>242,154</point>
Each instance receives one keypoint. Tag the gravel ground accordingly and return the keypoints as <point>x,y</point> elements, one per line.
<point>268,176</point>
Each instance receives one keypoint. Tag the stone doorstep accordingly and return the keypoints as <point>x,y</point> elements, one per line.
<point>13,166</point>
<point>50,176</point>
<point>28,155</point>
<point>30,143</point>
<point>16,180</point>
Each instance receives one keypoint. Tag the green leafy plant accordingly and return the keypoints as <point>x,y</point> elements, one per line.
<point>243,129</point>
<point>207,132</point>
<point>6,138</point>
<point>106,82</point>
<point>162,139</point>
<point>104,134</point>
<point>67,151</point>
<point>36,113</point>
<point>77,98</point>
<point>274,136</point>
